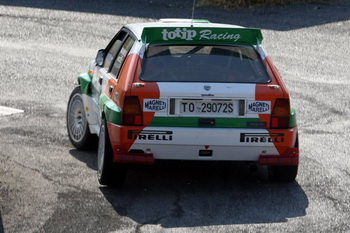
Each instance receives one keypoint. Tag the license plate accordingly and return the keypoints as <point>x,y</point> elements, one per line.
<point>202,107</point>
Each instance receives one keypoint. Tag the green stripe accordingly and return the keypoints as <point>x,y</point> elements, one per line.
<point>111,110</point>
<point>193,122</point>
<point>293,118</point>
<point>85,81</point>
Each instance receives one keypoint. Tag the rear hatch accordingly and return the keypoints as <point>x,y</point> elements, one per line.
<point>221,86</point>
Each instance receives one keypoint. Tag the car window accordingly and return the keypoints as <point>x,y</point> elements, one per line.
<point>122,55</point>
<point>203,63</point>
<point>112,52</point>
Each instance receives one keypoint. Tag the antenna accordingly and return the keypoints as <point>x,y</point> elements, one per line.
<point>193,7</point>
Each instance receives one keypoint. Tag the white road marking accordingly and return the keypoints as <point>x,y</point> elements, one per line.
<point>9,111</point>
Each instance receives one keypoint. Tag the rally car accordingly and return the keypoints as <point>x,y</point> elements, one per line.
<point>182,89</point>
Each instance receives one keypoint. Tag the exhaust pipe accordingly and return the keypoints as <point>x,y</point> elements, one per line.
<point>252,167</point>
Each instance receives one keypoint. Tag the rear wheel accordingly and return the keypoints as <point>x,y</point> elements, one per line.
<point>283,173</point>
<point>108,172</point>
<point>77,125</point>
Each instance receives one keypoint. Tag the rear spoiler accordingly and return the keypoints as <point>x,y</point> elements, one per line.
<point>242,36</point>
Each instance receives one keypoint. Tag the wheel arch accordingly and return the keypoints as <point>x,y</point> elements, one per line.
<point>84,80</point>
<point>110,110</point>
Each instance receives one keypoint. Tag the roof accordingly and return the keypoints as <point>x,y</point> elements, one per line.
<point>189,31</point>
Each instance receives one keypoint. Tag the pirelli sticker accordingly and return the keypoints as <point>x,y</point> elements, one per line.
<point>262,137</point>
<point>150,135</point>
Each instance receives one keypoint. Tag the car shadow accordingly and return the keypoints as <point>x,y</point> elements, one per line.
<point>189,194</point>
<point>1,225</point>
<point>182,195</point>
<point>89,157</point>
<point>282,18</point>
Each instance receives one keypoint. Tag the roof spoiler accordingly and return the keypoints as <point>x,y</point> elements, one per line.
<point>179,20</point>
<point>220,35</point>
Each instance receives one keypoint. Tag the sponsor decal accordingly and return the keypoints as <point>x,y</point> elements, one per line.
<point>262,137</point>
<point>207,87</point>
<point>260,107</point>
<point>150,135</point>
<point>256,124</point>
<point>251,36</point>
<point>155,105</point>
<point>206,34</point>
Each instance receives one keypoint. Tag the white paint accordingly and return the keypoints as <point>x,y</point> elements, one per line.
<point>184,143</point>
<point>4,111</point>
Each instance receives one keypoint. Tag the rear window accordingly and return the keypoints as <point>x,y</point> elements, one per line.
<point>203,63</point>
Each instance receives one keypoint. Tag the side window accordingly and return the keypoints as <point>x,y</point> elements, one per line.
<point>121,56</point>
<point>112,52</point>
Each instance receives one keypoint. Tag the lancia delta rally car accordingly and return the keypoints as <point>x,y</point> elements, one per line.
<point>184,90</point>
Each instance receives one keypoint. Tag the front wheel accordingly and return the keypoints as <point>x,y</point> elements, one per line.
<point>108,172</point>
<point>283,173</point>
<point>77,125</point>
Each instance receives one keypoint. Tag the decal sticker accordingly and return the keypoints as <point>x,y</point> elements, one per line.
<point>155,105</point>
<point>186,34</point>
<point>207,87</point>
<point>260,107</point>
<point>150,135</point>
<point>249,36</point>
<point>262,137</point>
<point>256,124</point>
<point>207,94</point>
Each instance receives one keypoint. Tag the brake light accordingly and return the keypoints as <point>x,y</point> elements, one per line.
<point>132,112</point>
<point>280,115</point>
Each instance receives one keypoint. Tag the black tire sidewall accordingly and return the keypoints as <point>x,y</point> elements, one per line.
<point>111,174</point>
<point>105,172</point>
<point>283,173</point>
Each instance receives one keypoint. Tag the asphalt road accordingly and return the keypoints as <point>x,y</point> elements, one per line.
<point>48,186</point>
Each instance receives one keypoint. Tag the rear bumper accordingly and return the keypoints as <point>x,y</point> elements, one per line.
<point>291,157</point>
<point>121,156</point>
<point>147,144</point>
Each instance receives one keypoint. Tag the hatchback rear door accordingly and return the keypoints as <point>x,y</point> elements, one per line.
<point>222,86</point>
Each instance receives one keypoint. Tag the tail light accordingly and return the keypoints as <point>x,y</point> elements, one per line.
<point>280,115</point>
<point>132,112</point>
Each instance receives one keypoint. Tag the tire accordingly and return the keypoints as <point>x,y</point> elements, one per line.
<point>108,172</point>
<point>77,125</point>
<point>283,173</point>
